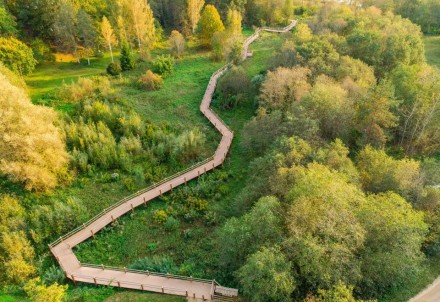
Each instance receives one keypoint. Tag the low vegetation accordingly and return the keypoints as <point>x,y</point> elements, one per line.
<point>330,190</point>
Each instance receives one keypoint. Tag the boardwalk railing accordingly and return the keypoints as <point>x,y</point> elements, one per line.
<point>148,273</point>
<point>90,273</point>
<point>125,199</point>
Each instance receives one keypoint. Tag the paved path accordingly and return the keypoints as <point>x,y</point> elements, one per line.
<point>62,249</point>
<point>429,294</point>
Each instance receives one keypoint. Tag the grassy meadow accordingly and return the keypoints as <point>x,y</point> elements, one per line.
<point>432,48</point>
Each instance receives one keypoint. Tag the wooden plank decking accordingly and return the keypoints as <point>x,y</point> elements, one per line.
<point>62,249</point>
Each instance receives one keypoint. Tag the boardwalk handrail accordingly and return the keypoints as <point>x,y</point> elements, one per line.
<point>63,250</point>
<point>125,199</point>
<point>148,273</point>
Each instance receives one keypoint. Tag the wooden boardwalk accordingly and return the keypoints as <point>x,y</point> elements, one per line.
<point>62,249</point>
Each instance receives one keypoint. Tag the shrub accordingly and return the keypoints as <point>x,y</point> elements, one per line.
<point>150,81</point>
<point>16,56</point>
<point>233,87</point>
<point>172,224</point>
<point>114,69</point>
<point>177,43</point>
<point>41,51</point>
<point>155,264</point>
<point>127,60</point>
<point>160,216</point>
<point>163,65</point>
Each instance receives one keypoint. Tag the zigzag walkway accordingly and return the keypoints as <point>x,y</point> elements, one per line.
<point>62,249</point>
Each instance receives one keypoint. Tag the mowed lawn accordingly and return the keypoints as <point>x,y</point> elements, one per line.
<point>49,76</point>
<point>432,49</point>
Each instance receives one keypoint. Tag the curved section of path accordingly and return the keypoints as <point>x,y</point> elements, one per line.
<point>62,249</point>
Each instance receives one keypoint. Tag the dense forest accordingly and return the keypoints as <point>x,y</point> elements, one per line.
<point>331,191</point>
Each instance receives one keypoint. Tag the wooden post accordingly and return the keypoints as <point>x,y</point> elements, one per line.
<point>160,192</point>
<point>142,286</point>
<point>198,173</point>
<point>213,165</point>
<point>113,219</point>
<point>93,234</point>
<point>171,186</point>
<point>194,295</point>
<point>132,208</point>
<point>203,297</point>
<point>184,180</point>
<point>163,291</point>
<point>205,169</point>
<point>187,293</point>
<point>119,284</point>
<point>73,279</point>
<point>145,202</point>
<point>94,281</point>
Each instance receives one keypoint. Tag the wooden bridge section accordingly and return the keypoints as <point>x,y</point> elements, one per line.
<point>62,248</point>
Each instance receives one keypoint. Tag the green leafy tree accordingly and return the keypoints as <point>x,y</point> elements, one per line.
<point>245,235</point>
<point>375,115</point>
<point>15,55</point>
<point>87,33</point>
<point>8,26</point>
<point>127,59</point>
<point>266,276</point>
<point>325,235</point>
<point>381,173</point>
<point>65,28</point>
<point>210,23</point>
<point>395,233</point>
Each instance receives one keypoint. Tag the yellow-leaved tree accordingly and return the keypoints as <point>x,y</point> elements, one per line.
<point>32,149</point>
<point>210,23</point>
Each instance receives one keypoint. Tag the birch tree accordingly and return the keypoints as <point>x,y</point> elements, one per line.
<point>141,21</point>
<point>108,35</point>
<point>194,7</point>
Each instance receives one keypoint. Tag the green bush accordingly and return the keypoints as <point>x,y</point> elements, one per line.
<point>172,224</point>
<point>160,216</point>
<point>16,56</point>
<point>41,51</point>
<point>114,69</point>
<point>150,81</point>
<point>127,59</point>
<point>163,65</point>
<point>155,264</point>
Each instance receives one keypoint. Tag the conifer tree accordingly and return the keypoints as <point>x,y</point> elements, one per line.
<point>127,58</point>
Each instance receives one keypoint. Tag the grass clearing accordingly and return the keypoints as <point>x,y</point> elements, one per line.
<point>432,50</point>
<point>137,235</point>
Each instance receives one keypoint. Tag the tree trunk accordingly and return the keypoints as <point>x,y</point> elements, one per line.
<point>111,51</point>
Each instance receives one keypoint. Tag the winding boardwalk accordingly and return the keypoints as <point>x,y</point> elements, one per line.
<point>62,249</point>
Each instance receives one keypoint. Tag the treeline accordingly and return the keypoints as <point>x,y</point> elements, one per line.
<point>335,208</point>
<point>425,13</point>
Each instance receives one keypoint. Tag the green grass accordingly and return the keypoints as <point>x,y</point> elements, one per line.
<point>135,234</point>
<point>432,49</point>
<point>131,296</point>
<point>49,76</point>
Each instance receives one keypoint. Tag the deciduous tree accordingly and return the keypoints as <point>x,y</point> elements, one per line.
<point>193,9</point>
<point>210,23</point>
<point>108,35</point>
<point>32,150</point>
